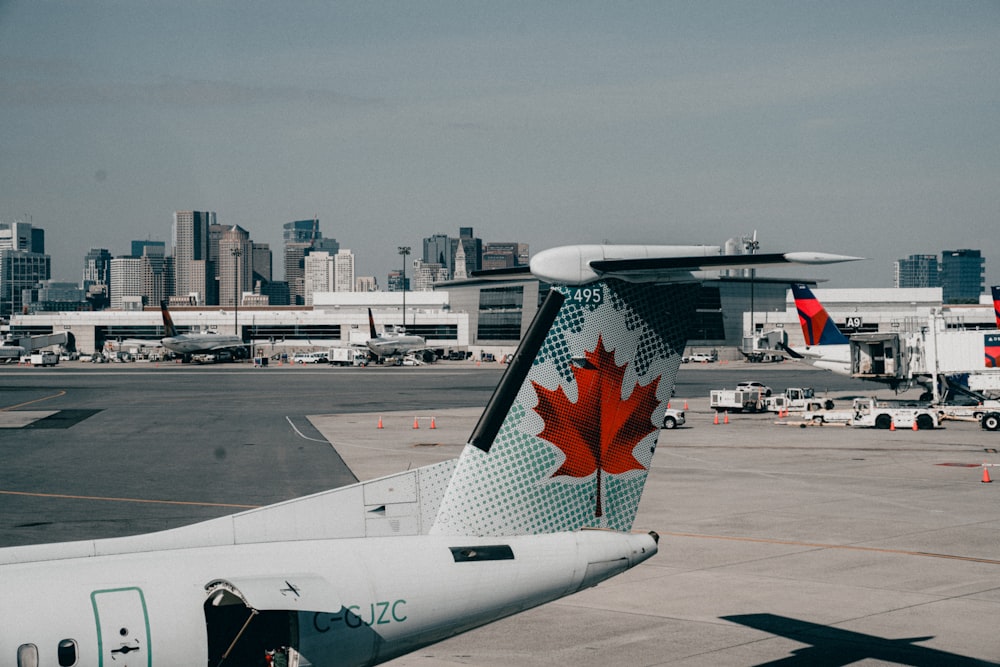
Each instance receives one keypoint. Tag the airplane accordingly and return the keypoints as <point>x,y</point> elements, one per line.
<point>396,344</point>
<point>195,343</point>
<point>539,505</point>
<point>996,303</point>
<point>826,347</point>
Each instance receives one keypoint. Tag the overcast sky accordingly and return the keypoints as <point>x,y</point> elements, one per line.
<point>868,128</point>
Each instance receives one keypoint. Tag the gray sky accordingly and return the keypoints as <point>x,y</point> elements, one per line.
<point>869,128</point>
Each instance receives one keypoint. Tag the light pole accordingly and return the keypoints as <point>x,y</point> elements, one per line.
<point>751,246</point>
<point>236,253</point>
<point>404,250</point>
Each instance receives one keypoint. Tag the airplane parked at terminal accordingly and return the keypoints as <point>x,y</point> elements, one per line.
<point>996,303</point>
<point>826,347</point>
<point>396,344</point>
<point>540,504</point>
<point>195,343</point>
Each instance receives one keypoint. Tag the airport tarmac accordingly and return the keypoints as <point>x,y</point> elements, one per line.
<point>779,544</point>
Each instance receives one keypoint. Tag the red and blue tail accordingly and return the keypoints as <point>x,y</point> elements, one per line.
<point>817,326</point>
<point>996,303</point>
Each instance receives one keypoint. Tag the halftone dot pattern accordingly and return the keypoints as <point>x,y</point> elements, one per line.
<point>511,489</point>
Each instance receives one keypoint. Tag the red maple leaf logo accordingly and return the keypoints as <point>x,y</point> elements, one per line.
<point>600,430</point>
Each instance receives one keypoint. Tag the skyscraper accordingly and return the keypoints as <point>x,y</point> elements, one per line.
<point>917,271</point>
<point>235,265</point>
<point>97,276</point>
<point>299,237</point>
<point>192,264</point>
<point>962,275</point>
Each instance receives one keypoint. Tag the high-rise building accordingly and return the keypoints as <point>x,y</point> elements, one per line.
<point>504,255</point>
<point>962,275</point>
<point>23,263</point>
<point>300,237</point>
<point>343,271</point>
<point>97,277</point>
<point>235,265</point>
<point>139,247</point>
<point>262,261</point>
<point>317,275</point>
<point>126,280</point>
<point>916,271</point>
<point>192,263</point>
<point>148,278</point>
<point>443,250</point>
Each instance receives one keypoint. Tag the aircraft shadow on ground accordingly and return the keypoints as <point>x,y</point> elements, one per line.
<point>833,647</point>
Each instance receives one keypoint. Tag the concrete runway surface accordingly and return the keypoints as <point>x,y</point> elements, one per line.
<point>780,545</point>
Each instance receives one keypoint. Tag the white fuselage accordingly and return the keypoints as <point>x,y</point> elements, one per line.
<point>395,346</point>
<point>836,358</point>
<point>195,343</point>
<point>337,602</point>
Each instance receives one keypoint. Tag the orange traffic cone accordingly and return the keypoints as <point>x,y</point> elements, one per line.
<point>716,422</point>
<point>725,420</point>
<point>433,425</point>
<point>892,425</point>
<point>685,405</point>
<point>915,427</point>
<point>380,421</point>
<point>986,475</point>
<point>416,424</point>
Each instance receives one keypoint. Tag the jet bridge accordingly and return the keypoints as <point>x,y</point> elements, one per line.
<point>885,357</point>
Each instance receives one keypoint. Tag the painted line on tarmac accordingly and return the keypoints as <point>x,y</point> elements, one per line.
<point>61,392</point>
<point>846,547</point>
<point>303,435</point>
<point>125,500</point>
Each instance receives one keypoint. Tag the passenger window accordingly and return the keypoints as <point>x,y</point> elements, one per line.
<point>67,653</point>
<point>27,655</point>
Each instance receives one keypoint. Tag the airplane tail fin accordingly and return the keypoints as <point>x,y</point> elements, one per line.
<point>371,324</point>
<point>818,328</point>
<point>168,323</point>
<point>996,303</point>
<point>567,439</point>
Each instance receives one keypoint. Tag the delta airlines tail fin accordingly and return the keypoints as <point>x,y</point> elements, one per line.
<point>371,324</point>
<point>996,303</point>
<point>817,326</point>
<point>168,323</point>
<point>567,439</point>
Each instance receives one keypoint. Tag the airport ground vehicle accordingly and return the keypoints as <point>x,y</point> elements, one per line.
<point>347,356</point>
<point>741,400</point>
<point>673,418</point>
<point>700,357</point>
<point>797,399</point>
<point>309,358</point>
<point>874,413</point>
<point>752,384</point>
<point>43,359</point>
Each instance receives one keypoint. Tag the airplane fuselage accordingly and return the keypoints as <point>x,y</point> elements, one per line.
<point>396,346</point>
<point>337,602</point>
<point>200,343</point>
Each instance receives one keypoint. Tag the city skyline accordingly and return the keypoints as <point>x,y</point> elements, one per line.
<point>854,128</point>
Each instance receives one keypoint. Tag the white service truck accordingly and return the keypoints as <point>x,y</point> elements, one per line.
<point>347,356</point>
<point>797,399</point>
<point>44,359</point>
<point>873,413</point>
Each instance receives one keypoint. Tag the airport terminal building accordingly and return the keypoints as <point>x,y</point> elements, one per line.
<point>489,315</point>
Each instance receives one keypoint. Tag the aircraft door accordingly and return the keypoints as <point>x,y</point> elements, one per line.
<point>122,628</point>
